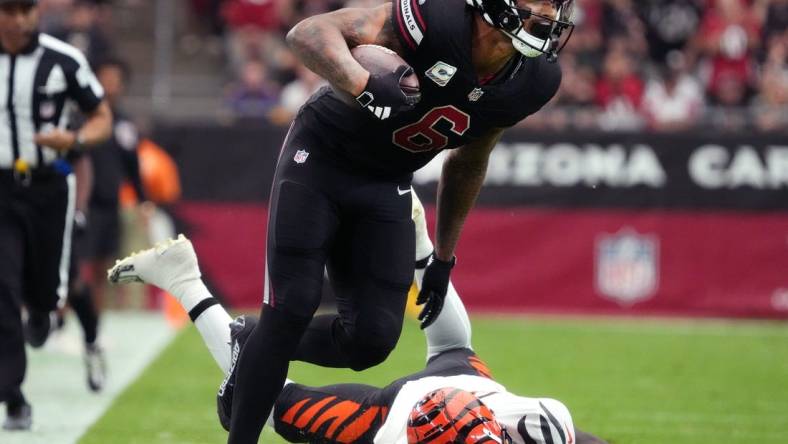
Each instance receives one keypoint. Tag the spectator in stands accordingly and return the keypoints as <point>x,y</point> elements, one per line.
<point>675,100</point>
<point>54,14</point>
<point>81,29</point>
<point>729,98</point>
<point>670,24</point>
<point>209,11</point>
<point>728,36</point>
<point>295,94</point>
<point>578,85</point>
<point>775,23</point>
<point>586,44</point>
<point>253,27</point>
<point>770,105</point>
<point>619,91</point>
<point>253,95</point>
<point>620,22</point>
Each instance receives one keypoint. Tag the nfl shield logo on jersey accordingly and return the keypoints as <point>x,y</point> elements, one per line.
<point>475,94</point>
<point>300,156</point>
<point>627,266</point>
<point>47,109</point>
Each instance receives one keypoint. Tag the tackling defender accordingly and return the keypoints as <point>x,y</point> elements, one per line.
<point>453,400</point>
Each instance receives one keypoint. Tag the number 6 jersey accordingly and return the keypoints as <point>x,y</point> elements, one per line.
<point>456,106</point>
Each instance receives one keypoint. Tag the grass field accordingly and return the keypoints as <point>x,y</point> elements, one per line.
<point>629,381</point>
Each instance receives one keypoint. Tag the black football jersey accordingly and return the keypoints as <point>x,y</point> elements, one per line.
<point>455,106</point>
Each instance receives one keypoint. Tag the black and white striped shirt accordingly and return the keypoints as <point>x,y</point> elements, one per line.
<point>38,88</point>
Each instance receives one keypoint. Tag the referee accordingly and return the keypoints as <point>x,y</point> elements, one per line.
<point>41,78</point>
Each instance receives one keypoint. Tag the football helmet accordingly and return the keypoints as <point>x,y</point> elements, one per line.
<point>544,35</point>
<point>453,416</point>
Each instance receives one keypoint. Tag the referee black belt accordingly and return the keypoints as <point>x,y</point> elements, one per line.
<point>35,174</point>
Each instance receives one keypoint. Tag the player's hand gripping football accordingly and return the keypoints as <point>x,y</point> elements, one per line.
<point>383,96</point>
<point>433,289</point>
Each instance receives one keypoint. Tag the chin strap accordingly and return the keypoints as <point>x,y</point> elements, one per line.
<point>503,14</point>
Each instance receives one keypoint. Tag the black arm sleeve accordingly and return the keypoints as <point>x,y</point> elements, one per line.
<point>131,165</point>
<point>127,139</point>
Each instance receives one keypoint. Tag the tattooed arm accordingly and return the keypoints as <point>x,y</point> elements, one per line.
<point>461,179</point>
<point>323,43</point>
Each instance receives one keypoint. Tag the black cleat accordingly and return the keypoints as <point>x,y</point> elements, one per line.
<point>20,417</point>
<point>240,329</point>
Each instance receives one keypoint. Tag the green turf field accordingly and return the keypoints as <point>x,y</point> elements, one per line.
<point>629,381</point>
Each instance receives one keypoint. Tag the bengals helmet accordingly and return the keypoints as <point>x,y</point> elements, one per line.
<point>453,416</point>
<point>543,34</point>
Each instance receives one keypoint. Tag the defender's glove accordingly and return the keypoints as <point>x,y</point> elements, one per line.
<point>433,289</point>
<point>383,95</point>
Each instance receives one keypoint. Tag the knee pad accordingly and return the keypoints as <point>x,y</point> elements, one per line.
<point>363,357</point>
<point>373,340</point>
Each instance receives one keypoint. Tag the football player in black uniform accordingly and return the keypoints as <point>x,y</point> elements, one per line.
<point>340,195</point>
<point>405,411</point>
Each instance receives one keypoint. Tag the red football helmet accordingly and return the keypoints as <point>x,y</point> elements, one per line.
<point>453,416</point>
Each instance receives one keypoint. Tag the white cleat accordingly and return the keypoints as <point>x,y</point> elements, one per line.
<point>166,265</point>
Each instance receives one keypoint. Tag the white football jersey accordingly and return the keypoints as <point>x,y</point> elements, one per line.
<point>527,420</point>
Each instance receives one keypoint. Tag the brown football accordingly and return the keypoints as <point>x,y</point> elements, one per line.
<point>380,60</point>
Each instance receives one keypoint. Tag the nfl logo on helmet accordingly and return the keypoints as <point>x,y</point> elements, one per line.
<point>627,266</point>
<point>300,156</point>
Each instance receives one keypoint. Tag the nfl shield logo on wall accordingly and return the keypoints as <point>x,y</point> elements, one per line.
<point>627,266</point>
<point>300,156</point>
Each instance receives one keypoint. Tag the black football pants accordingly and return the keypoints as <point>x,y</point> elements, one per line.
<point>34,256</point>
<point>325,215</point>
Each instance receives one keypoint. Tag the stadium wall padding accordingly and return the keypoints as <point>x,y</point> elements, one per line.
<point>686,224</point>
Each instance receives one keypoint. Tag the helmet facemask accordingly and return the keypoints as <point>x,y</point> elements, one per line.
<point>543,35</point>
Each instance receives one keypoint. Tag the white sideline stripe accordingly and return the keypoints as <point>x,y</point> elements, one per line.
<point>63,407</point>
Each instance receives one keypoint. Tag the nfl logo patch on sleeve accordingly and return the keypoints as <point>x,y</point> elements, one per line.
<point>300,156</point>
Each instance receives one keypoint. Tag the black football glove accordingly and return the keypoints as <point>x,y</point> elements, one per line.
<point>433,289</point>
<point>383,95</point>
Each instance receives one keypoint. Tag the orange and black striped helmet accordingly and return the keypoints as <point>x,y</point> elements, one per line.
<point>453,416</point>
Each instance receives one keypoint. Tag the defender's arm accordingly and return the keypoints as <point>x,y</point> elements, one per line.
<point>461,179</point>
<point>323,43</point>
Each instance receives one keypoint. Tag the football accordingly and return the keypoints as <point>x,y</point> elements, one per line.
<point>380,60</point>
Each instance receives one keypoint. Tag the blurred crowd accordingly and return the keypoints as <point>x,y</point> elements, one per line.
<point>660,65</point>
<point>86,24</point>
